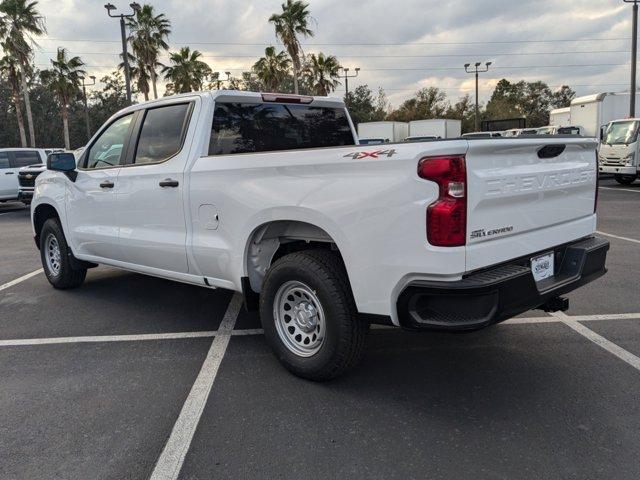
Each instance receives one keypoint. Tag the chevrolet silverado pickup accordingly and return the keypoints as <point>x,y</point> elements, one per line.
<point>271,195</point>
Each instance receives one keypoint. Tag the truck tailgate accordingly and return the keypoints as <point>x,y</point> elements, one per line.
<point>526,195</point>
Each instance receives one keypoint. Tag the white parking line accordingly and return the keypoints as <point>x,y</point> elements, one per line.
<point>105,338</point>
<point>21,279</point>
<point>599,340</point>
<point>618,237</point>
<point>620,189</point>
<point>22,342</point>
<point>172,457</point>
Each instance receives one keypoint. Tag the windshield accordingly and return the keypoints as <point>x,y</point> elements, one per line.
<point>619,133</point>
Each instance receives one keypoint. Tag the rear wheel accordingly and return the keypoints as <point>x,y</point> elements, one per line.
<point>309,315</point>
<point>625,179</point>
<point>56,257</point>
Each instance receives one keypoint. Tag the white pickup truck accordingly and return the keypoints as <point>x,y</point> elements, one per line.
<point>270,195</point>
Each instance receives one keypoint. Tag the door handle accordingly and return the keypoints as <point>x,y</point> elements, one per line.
<point>107,184</point>
<point>9,173</point>
<point>167,182</point>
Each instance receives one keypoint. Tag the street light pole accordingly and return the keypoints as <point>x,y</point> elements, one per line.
<point>476,70</point>
<point>347,77</point>
<point>125,57</point>
<point>634,51</point>
<point>86,107</point>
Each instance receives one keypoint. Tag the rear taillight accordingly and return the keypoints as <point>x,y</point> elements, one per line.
<point>447,216</point>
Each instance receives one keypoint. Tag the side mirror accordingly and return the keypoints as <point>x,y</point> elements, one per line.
<point>63,162</point>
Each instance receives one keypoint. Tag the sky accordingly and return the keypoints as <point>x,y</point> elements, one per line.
<point>399,45</point>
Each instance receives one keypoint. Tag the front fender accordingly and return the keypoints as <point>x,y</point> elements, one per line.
<point>50,189</point>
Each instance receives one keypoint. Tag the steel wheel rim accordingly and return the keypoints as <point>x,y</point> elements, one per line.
<point>52,254</point>
<point>299,318</point>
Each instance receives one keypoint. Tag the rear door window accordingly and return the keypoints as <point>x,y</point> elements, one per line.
<point>23,159</point>
<point>162,133</point>
<point>4,160</point>
<point>246,128</point>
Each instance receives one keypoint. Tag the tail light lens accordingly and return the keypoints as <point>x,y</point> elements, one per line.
<point>447,216</point>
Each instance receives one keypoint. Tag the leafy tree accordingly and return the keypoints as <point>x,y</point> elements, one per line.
<point>148,38</point>
<point>321,73</point>
<point>430,102</point>
<point>19,23</point>
<point>562,97</point>
<point>364,107</point>
<point>64,80</point>
<point>293,21</point>
<point>10,69</point>
<point>138,74</point>
<point>186,73</point>
<point>463,110</point>
<point>531,100</point>
<point>9,131</point>
<point>272,69</point>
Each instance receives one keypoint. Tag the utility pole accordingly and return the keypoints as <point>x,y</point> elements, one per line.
<point>634,51</point>
<point>125,56</point>
<point>347,77</point>
<point>86,107</point>
<point>476,71</point>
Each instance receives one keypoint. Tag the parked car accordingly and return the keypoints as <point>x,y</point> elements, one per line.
<point>270,195</point>
<point>11,160</point>
<point>482,135</point>
<point>425,138</point>
<point>372,141</point>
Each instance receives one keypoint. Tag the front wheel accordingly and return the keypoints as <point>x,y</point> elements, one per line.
<point>55,255</point>
<point>309,315</point>
<point>625,179</point>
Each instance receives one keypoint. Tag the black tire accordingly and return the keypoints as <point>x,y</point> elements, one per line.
<point>66,276</point>
<point>345,332</point>
<point>625,179</point>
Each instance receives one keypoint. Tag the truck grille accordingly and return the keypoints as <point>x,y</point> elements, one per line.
<point>616,162</point>
<point>27,179</point>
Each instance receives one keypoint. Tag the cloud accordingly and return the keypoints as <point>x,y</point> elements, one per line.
<point>400,46</point>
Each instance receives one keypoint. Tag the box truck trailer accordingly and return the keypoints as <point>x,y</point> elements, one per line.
<point>560,117</point>
<point>385,131</point>
<point>436,127</point>
<point>593,112</point>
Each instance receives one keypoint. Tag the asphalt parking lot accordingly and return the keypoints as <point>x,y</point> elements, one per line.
<point>131,376</point>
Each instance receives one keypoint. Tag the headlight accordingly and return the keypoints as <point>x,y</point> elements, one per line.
<point>629,158</point>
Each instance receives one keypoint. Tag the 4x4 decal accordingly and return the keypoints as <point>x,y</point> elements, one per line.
<point>374,154</point>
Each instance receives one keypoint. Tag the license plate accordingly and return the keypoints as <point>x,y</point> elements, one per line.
<point>542,266</point>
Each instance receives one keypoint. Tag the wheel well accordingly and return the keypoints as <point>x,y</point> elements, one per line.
<point>274,240</point>
<point>41,214</point>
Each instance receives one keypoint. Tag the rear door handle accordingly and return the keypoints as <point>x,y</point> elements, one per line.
<point>9,173</point>
<point>167,182</point>
<point>107,184</point>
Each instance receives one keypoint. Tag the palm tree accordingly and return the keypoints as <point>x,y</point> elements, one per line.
<point>21,23</point>
<point>322,73</point>
<point>293,21</point>
<point>10,69</point>
<point>64,81</point>
<point>139,75</point>
<point>272,69</point>
<point>186,73</point>
<point>148,37</point>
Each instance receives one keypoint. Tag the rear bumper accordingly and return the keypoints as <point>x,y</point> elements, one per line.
<point>501,292</point>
